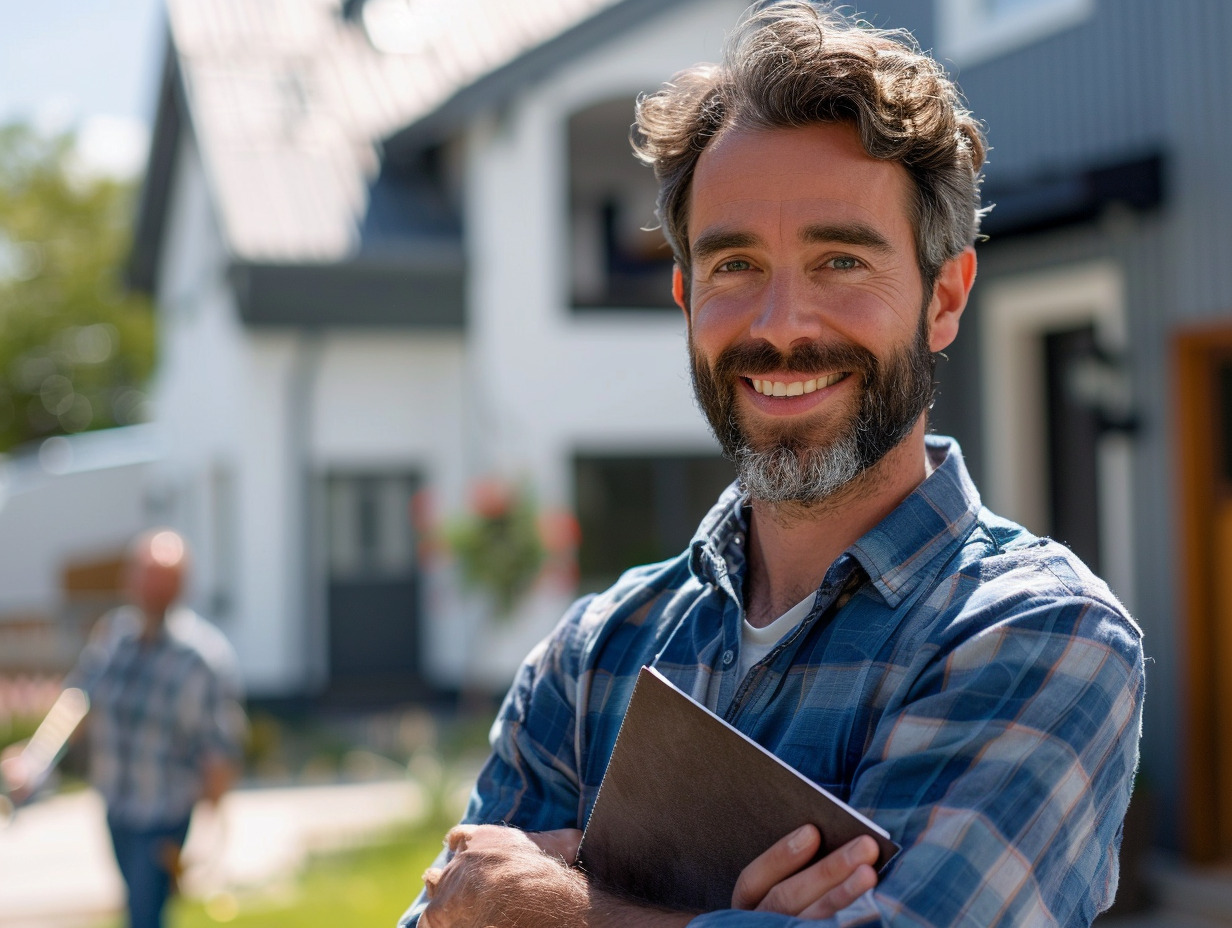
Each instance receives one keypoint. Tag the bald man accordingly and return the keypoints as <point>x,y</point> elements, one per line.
<point>165,722</point>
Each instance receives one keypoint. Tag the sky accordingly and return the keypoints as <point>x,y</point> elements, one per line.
<point>89,65</point>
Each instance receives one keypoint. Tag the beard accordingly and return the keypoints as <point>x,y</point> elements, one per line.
<point>808,463</point>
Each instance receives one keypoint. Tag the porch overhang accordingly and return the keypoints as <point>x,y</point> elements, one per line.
<point>386,291</point>
<point>1063,198</point>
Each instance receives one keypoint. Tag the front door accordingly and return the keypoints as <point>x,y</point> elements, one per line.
<point>1204,419</point>
<point>372,598</point>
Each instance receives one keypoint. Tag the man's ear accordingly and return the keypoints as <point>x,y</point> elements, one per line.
<point>950,299</point>
<point>678,290</point>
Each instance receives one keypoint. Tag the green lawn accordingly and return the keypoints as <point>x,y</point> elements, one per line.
<point>370,886</point>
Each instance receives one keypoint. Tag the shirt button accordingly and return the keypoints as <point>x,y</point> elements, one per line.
<point>738,538</point>
<point>728,656</point>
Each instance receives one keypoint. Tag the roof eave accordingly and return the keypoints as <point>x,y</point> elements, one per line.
<point>141,270</point>
<point>421,288</point>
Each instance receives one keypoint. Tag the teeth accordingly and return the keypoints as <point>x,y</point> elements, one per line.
<point>795,387</point>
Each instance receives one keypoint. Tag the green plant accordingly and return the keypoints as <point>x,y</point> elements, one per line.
<point>497,544</point>
<point>76,347</point>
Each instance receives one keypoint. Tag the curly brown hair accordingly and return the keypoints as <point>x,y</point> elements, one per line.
<point>791,63</point>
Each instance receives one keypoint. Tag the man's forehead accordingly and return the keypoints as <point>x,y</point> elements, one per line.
<point>800,177</point>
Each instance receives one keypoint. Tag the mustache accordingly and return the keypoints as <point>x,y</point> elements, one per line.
<point>763,358</point>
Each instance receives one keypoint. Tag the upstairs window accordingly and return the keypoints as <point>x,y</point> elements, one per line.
<point>615,263</point>
<point>971,31</point>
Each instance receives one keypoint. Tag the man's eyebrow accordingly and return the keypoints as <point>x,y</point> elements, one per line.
<point>855,234</point>
<point>716,240</point>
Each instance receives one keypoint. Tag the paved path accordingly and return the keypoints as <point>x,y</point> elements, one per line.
<point>56,868</point>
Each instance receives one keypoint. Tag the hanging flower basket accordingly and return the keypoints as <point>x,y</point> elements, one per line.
<point>503,543</point>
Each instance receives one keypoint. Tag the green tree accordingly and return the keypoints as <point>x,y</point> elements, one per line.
<point>75,347</point>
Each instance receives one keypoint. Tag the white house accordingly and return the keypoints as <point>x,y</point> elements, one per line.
<point>395,247</point>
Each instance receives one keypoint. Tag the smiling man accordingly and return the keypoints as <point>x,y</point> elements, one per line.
<point>849,603</point>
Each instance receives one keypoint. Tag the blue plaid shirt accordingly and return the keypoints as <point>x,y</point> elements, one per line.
<point>978,695</point>
<point>158,709</point>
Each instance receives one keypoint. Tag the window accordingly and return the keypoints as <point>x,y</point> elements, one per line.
<point>640,509</point>
<point>970,31</point>
<point>615,262</point>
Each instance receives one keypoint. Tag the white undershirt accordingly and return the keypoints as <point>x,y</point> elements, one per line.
<point>756,643</point>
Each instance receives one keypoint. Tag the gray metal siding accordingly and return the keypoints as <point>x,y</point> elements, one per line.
<point>1139,75</point>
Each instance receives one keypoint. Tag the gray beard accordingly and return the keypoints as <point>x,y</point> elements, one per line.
<point>783,475</point>
<point>797,467</point>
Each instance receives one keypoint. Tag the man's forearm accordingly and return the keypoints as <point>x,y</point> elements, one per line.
<point>607,911</point>
<point>500,876</point>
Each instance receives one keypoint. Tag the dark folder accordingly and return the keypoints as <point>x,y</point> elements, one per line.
<point>688,801</point>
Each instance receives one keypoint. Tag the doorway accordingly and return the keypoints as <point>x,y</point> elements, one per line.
<point>1056,462</point>
<point>372,598</point>
<point>1204,437</point>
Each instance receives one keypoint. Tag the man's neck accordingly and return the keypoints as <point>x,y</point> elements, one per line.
<point>152,622</point>
<point>791,546</point>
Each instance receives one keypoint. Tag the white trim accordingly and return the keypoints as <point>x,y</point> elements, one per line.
<point>1015,314</point>
<point>971,31</point>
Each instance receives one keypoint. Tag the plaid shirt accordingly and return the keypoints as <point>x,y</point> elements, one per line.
<point>973,689</point>
<point>157,711</point>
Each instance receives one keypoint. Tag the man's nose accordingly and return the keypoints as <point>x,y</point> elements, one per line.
<point>786,315</point>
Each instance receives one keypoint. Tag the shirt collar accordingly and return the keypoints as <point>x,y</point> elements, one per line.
<point>897,554</point>
<point>906,547</point>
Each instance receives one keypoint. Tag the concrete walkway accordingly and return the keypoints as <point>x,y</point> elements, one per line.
<point>57,871</point>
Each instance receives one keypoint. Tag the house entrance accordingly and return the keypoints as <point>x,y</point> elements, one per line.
<point>1056,421</point>
<point>372,598</point>
<point>1204,431</point>
<point>1074,431</point>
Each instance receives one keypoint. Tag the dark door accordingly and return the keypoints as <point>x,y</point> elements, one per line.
<point>373,593</point>
<point>1073,443</point>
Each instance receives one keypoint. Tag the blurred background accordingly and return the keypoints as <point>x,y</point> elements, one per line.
<point>357,295</point>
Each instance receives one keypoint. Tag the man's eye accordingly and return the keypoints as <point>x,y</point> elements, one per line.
<point>736,264</point>
<point>844,263</point>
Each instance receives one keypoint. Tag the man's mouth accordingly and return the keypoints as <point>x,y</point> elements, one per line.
<point>794,387</point>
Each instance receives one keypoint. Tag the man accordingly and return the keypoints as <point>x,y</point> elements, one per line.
<point>849,604</point>
<point>165,721</point>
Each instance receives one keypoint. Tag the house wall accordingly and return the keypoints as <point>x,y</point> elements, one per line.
<point>1133,77</point>
<point>549,381</point>
<point>543,381</point>
<point>83,498</point>
<point>222,400</point>
<point>256,418</point>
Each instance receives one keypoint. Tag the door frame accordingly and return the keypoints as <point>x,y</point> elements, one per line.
<point>1206,730</point>
<point>1015,314</point>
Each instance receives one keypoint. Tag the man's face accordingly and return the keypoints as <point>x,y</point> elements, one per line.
<point>809,331</point>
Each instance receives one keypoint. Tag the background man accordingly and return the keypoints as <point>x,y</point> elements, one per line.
<point>165,722</point>
<point>849,604</point>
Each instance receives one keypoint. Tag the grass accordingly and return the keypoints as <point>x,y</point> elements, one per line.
<point>372,885</point>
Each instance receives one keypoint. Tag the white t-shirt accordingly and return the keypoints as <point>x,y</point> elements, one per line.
<point>756,643</point>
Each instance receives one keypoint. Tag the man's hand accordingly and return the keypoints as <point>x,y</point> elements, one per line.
<point>16,773</point>
<point>775,882</point>
<point>218,774</point>
<point>502,876</point>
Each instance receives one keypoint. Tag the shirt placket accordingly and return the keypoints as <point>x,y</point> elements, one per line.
<point>761,682</point>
